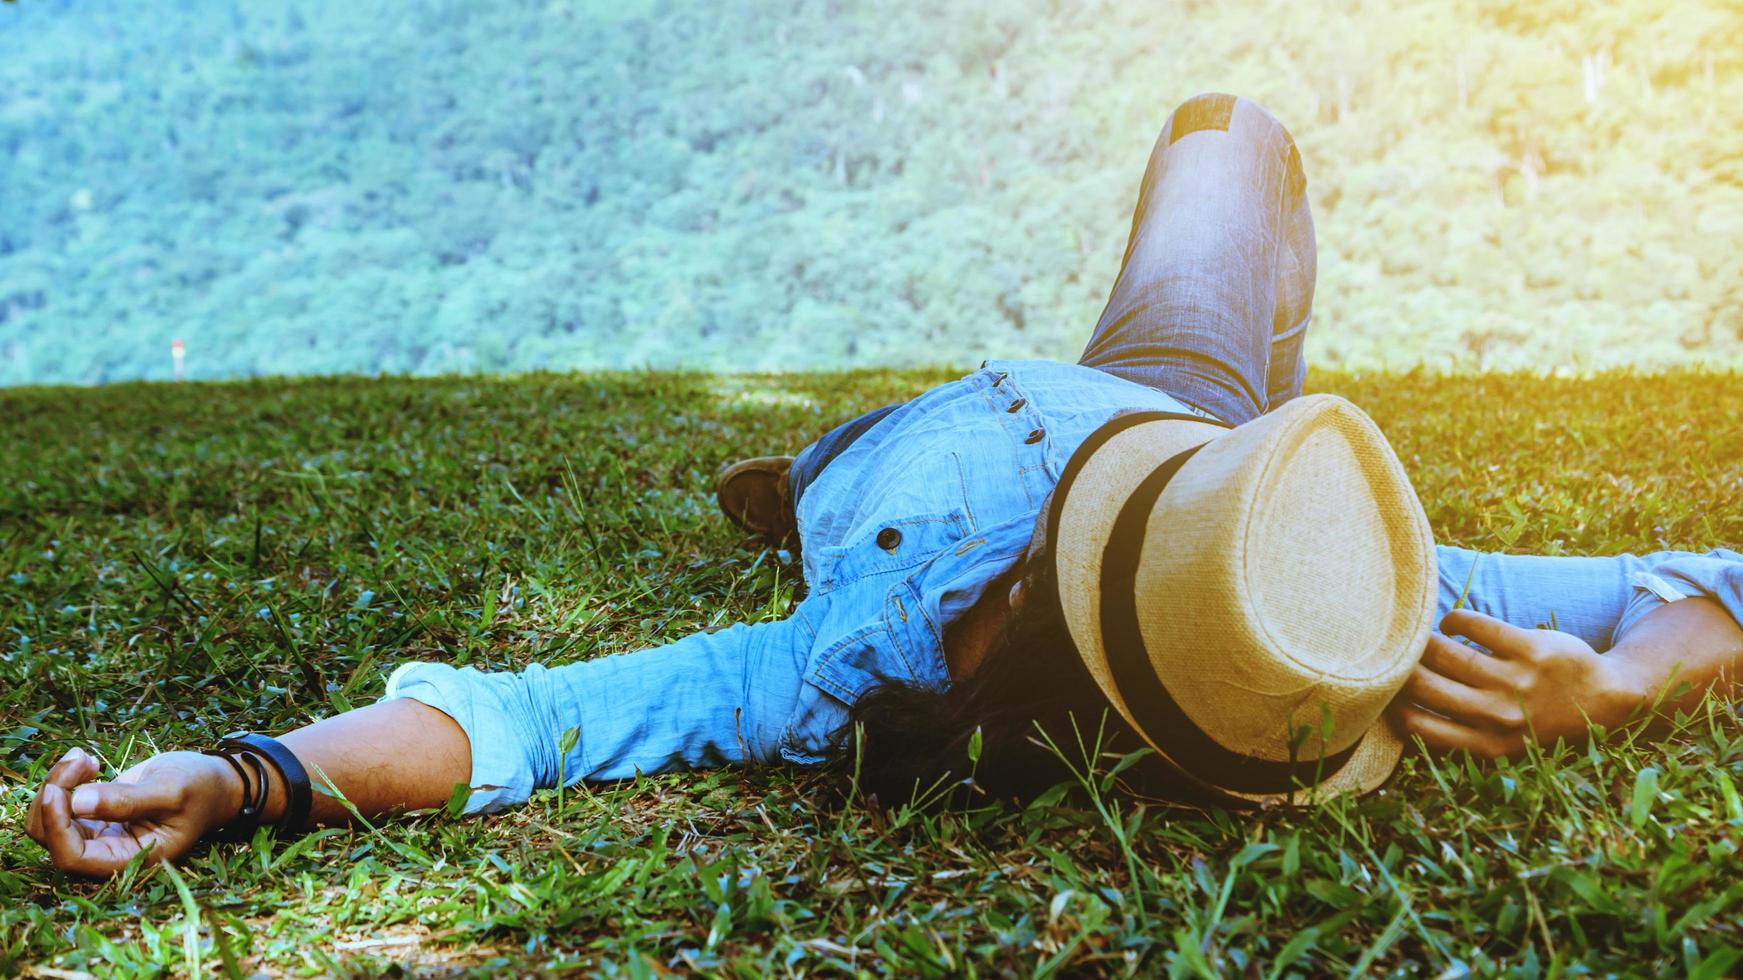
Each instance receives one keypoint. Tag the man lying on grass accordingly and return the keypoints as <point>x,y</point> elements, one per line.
<point>1162,539</point>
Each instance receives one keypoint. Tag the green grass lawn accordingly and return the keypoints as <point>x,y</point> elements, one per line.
<point>177,561</point>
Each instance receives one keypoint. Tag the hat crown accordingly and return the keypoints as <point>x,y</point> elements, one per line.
<point>1299,545</point>
<point>1259,607</point>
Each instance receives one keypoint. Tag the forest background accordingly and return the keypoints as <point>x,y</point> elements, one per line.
<point>439,186</point>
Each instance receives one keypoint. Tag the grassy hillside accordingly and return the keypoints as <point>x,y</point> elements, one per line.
<point>440,185</point>
<point>178,561</point>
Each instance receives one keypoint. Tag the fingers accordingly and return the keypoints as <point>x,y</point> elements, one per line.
<point>60,835</point>
<point>1465,664</point>
<point>1443,735</point>
<point>1492,709</point>
<point>75,767</point>
<point>93,849</point>
<point>1501,637</point>
<point>83,825</point>
<point>124,802</point>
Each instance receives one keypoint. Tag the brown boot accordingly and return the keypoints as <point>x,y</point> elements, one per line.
<point>753,495</point>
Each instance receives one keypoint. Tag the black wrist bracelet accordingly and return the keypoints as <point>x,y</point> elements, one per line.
<point>247,818</point>
<point>246,811</point>
<point>296,778</point>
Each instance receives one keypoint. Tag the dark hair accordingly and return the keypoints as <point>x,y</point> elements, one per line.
<point>915,740</point>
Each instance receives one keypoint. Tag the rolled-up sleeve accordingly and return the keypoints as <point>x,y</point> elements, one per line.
<point>1595,598</point>
<point>1716,575</point>
<point>712,698</point>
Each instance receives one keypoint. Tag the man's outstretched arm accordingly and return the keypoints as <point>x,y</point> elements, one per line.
<point>1669,622</point>
<point>711,698</point>
<point>392,756</point>
<point>1544,685</point>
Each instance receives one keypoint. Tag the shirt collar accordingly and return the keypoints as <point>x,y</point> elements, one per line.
<point>920,606</point>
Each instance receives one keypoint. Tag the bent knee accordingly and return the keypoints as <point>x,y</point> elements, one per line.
<point>1207,111</point>
<point>1243,119</point>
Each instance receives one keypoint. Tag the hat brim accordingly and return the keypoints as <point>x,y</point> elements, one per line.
<point>1368,768</point>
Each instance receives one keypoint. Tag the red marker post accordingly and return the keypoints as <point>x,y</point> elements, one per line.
<point>177,352</point>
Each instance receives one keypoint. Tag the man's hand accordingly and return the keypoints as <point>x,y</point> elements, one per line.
<point>1533,684</point>
<point>165,803</point>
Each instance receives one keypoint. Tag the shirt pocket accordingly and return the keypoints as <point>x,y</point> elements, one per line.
<point>889,545</point>
<point>893,516</point>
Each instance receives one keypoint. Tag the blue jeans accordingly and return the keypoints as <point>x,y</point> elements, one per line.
<point>1216,288</point>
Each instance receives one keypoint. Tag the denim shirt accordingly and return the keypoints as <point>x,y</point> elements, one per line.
<point>901,534</point>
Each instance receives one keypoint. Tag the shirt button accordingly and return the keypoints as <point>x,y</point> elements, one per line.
<point>1016,405</point>
<point>997,378</point>
<point>1036,436</point>
<point>889,538</point>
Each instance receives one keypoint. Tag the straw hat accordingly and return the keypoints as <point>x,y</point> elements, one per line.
<point>1249,599</point>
